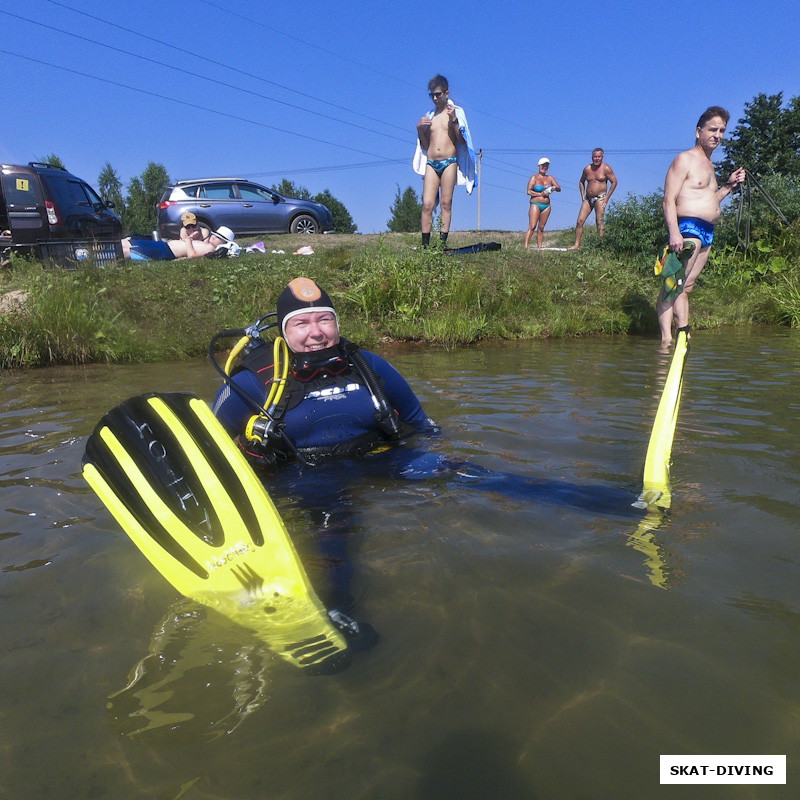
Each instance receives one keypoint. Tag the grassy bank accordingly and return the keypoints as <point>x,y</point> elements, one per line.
<point>385,288</point>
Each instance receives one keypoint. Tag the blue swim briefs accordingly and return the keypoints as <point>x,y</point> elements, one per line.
<point>148,250</point>
<point>696,228</point>
<point>439,165</point>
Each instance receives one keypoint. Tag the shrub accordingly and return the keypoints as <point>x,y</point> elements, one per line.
<point>635,228</point>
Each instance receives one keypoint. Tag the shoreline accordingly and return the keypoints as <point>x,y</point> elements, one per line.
<point>387,291</point>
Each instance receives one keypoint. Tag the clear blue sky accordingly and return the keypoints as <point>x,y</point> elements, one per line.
<point>328,94</point>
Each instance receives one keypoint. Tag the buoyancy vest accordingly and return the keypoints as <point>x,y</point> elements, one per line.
<point>355,370</point>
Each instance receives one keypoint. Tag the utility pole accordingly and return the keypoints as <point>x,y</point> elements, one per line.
<point>480,185</point>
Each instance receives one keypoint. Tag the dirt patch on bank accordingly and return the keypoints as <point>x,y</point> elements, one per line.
<point>12,301</point>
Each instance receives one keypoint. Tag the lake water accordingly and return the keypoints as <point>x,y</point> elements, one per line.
<point>549,645</point>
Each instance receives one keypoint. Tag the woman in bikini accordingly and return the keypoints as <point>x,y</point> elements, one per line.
<point>540,186</point>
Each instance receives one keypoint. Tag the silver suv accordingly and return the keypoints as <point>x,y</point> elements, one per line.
<point>243,206</point>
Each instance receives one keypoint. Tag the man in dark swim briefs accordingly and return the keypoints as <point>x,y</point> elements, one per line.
<point>593,200</point>
<point>596,186</point>
<point>691,209</point>
<point>439,135</point>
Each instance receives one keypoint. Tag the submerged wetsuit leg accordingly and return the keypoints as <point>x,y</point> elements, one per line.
<point>320,494</point>
<point>423,465</point>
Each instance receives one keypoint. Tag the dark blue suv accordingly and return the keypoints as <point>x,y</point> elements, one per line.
<point>56,216</point>
<point>241,205</point>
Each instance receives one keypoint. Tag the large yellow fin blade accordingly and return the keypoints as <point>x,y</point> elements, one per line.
<point>656,486</point>
<point>181,489</point>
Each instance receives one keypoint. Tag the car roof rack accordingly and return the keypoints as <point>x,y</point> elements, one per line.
<point>204,180</point>
<point>41,164</point>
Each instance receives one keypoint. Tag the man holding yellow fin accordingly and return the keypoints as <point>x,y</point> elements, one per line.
<point>691,209</point>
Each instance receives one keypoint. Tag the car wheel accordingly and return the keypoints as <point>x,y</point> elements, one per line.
<point>305,223</point>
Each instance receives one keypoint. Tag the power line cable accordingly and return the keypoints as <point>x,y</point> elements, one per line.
<point>495,161</point>
<point>612,151</point>
<point>222,113</point>
<point>260,24</point>
<point>488,152</point>
<point>216,63</point>
<point>517,171</point>
<point>333,168</point>
<point>194,74</point>
<point>371,69</point>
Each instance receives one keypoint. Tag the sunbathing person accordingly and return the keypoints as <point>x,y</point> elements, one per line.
<point>186,247</point>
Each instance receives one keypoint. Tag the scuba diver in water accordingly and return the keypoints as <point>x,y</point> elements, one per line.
<point>338,399</point>
<point>333,399</point>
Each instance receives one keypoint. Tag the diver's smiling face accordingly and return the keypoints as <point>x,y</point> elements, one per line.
<point>313,330</point>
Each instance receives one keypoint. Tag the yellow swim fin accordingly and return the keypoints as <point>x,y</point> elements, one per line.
<point>184,493</point>
<point>656,489</point>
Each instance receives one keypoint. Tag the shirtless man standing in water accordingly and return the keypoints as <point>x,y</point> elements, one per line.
<point>691,209</point>
<point>596,186</point>
<point>439,135</point>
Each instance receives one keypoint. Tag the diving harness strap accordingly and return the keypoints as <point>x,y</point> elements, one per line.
<point>264,428</point>
<point>385,416</point>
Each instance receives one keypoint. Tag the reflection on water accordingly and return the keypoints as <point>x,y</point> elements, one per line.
<point>539,638</point>
<point>645,540</point>
<point>197,677</point>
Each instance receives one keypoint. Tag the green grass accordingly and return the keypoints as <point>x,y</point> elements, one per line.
<point>385,288</point>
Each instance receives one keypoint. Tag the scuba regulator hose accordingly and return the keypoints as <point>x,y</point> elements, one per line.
<point>262,426</point>
<point>385,415</point>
